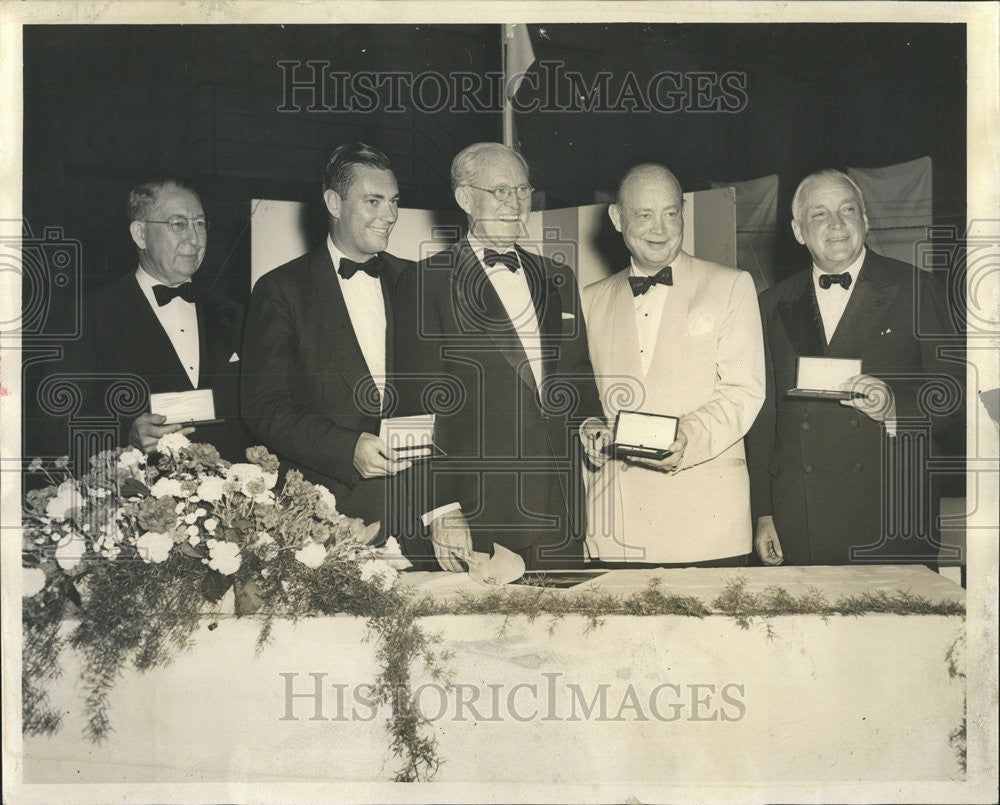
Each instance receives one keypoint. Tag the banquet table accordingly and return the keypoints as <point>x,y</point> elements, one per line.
<point>661,698</point>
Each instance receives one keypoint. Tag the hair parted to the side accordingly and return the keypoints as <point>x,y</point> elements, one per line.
<point>468,162</point>
<point>143,198</point>
<point>339,172</point>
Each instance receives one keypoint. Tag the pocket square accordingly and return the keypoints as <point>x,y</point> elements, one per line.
<point>566,315</point>
<point>234,358</point>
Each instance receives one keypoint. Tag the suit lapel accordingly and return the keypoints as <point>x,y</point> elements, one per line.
<point>674,319</point>
<point>343,344</point>
<point>482,310</point>
<point>548,308</point>
<point>145,338</point>
<point>871,298</point>
<point>216,337</point>
<point>801,319</point>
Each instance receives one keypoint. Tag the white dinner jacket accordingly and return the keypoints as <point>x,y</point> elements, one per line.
<point>708,369</point>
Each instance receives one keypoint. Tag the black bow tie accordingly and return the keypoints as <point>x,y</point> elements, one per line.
<point>509,259</point>
<point>642,284</point>
<point>843,280</point>
<point>372,267</point>
<point>164,293</point>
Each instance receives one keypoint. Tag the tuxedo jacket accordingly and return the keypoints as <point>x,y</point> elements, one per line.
<point>707,369</point>
<point>839,488</point>
<point>122,339</point>
<point>307,391</point>
<point>512,450</point>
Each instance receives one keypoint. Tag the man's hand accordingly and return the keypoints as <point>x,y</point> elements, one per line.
<point>451,537</point>
<point>371,458</point>
<point>671,462</point>
<point>595,437</point>
<point>147,429</point>
<point>877,402</point>
<point>765,540</point>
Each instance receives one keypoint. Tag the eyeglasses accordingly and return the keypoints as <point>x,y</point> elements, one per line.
<point>502,192</point>
<point>178,224</point>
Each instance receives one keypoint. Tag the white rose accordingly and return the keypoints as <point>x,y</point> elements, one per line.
<point>67,496</point>
<point>70,551</point>
<point>167,486</point>
<point>211,524</point>
<point>385,572</point>
<point>224,557</point>
<point>172,443</point>
<point>312,554</point>
<point>131,459</point>
<point>243,473</point>
<point>154,546</point>
<point>211,489</point>
<point>32,581</point>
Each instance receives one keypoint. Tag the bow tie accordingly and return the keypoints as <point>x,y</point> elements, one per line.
<point>509,259</point>
<point>843,280</point>
<point>372,267</point>
<point>642,284</point>
<point>165,294</point>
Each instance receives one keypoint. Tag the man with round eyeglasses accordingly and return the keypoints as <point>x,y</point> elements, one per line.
<point>503,325</point>
<point>158,327</point>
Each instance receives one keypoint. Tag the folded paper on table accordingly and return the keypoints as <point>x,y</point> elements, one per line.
<point>644,435</point>
<point>821,378</point>
<point>196,407</point>
<point>409,436</point>
<point>503,567</point>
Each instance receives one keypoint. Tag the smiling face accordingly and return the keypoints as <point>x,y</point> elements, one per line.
<point>362,220</point>
<point>496,223</point>
<point>831,223</point>
<point>169,257</point>
<point>649,214</point>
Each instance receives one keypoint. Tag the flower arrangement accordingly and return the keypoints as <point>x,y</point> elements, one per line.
<point>139,553</point>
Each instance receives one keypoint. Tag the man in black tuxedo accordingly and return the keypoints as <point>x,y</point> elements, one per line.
<point>158,330</point>
<point>317,347</point>
<point>837,482</point>
<point>503,326</point>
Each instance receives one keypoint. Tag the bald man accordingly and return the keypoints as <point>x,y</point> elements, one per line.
<point>671,334</point>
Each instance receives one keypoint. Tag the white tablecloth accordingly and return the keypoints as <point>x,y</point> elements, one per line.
<point>639,699</point>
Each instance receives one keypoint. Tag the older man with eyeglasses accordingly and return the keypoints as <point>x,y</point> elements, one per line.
<point>154,331</point>
<point>502,325</point>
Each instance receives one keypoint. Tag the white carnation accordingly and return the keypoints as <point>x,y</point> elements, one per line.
<point>211,489</point>
<point>172,443</point>
<point>70,551</point>
<point>67,497</point>
<point>32,581</point>
<point>132,459</point>
<point>312,554</point>
<point>377,568</point>
<point>154,546</point>
<point>224,556</point>
<point>327,497</point>
<point>167,486</point>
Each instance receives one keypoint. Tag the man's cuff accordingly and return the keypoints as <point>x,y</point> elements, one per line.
<point>433,514</point>
<point>890,427</point>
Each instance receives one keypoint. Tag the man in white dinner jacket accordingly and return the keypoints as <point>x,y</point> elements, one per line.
<point>671,334</point>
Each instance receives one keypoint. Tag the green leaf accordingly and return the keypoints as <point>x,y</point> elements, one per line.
<point>370,534</point>
<point>248,597</point>
<point>214,585</point>
<point>189,550</point>
<point>134,488</point>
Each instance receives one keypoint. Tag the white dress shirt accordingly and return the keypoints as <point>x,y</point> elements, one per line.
<point>366,308</point>
<point>180,321</point>
<point>512,288</point>
<point>648,313</point>
<point>833,300</point>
